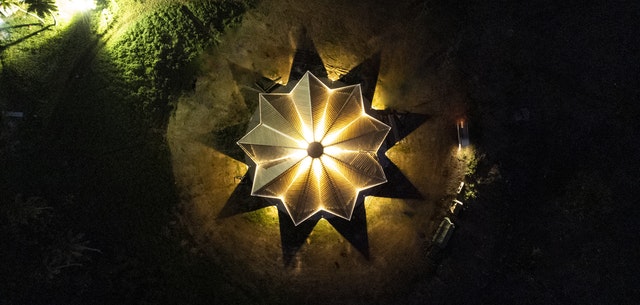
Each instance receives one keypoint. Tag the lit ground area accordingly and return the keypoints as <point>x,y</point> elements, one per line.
<point>382,259</point>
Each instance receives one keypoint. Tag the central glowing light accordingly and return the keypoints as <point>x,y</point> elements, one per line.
<point>315,149</point>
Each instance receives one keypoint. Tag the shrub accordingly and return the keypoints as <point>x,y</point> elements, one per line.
<point>158,55</point>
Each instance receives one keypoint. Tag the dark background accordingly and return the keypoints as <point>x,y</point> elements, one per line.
<point>560,227</point>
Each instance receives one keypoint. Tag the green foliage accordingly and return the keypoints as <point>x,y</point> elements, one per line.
<point>158,55</point>
<point>34,70</point>
<point>469,161</point>
<point>41,7</point>
<point>99,146</point>
<point>216,15</point>
<point>261,216</point>
<point>40,249</point>
<point>586,196</point>
<point>7,7</point>
<point>470,192</point>
<point>33,212</point>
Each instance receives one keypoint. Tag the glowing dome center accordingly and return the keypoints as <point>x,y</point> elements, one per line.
<point>315,150</point>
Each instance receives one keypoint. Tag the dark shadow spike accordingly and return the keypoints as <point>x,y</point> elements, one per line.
<point>224,140</point>
<point>397,186</point>
<point>355,230</point>
<point>243,75</point>
<point>306,58</point>
<point>241,200</point>
<point>292,236</point>
<point>267,85</point>
<point>247,81</point>
<point>402,124</point>
<point>365,74</point>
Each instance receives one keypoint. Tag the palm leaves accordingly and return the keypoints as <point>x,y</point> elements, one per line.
<point>42,8</point>
<point>8,7</point>
<point>36,8</point>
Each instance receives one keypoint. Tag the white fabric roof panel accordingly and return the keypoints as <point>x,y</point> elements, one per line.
<point>307,183</point>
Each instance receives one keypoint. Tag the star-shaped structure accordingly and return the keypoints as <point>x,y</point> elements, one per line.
<point>355,230</point>
<point>315,148</point>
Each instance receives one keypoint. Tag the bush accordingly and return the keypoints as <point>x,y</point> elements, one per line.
<point>217,16</point>
<point>158,55</point>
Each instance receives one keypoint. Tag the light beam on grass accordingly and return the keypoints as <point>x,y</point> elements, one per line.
<point>68,8</point>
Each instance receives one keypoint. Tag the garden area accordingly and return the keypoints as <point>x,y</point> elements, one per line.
<point>121,181</point>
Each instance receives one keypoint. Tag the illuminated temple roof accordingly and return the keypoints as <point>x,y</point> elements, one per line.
<point>315,149</point>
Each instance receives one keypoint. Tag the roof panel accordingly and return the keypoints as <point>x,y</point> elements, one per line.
<point>325,180</point>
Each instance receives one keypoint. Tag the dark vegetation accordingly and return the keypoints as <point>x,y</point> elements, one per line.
<point>158,56</point>
<point>86,183</point>
<point>561,227</point>
<point>87,194</point>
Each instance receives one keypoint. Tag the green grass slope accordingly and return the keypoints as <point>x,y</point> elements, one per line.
<point>87,194</point>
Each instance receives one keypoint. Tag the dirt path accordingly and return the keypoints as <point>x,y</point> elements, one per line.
<point>415,76</point>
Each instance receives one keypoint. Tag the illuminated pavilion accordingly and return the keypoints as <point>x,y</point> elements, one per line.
<point>315,148</point>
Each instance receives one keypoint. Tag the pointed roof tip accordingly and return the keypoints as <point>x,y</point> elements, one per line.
<point>299,221</point>
<point>304,79</point>
<point>347,216</point>
<point>320,213</point>
<point>312,77</point>
<point>307,79</point>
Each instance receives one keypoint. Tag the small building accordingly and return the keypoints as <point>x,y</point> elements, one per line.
<point>13,114</point>
<point>10,120</point>
<point>444,232</point>
<point>463,133</point>
<point>455,207</point>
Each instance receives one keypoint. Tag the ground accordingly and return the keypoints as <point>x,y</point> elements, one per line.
<point>328,266</point>
<point>550,91</point>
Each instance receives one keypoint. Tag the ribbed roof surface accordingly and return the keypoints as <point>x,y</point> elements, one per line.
<point>314,113</point>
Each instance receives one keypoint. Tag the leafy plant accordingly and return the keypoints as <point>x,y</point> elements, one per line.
<point>36,8</point>
<point>71,251</point>
<point>26,212</point>
<point>8,7</point>
<point>42,8</point>
<point>158,55</point>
